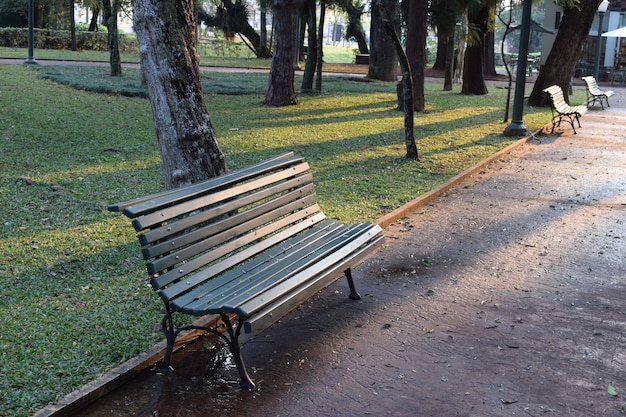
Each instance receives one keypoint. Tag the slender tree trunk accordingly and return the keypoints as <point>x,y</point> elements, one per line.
<point>311,56</point>
<point>460,58</point>
<point>281,90</point>
<point>383,64</point>
<point>167,43</point>
<point>113,39</point>
<point>560,63</point>
<point>449,65</point>
<point>72,27</point>
<point>407,87</point>
<point>93,23</point>
<point>320,47</point>
<point>263,30</point>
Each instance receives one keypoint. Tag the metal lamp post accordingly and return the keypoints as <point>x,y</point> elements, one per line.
<point>31,24</point>
<point>601,10</point>
<point>517,128</point>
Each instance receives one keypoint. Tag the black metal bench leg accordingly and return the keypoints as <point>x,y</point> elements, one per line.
<point>170,337</point>
<point>232,341</point>
<point>354,295</point>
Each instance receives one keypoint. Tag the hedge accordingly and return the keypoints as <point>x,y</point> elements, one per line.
<point>60,39</point>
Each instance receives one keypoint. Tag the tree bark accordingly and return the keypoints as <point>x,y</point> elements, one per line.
<point>416,49</point>
<point>457,76</point>
<point>442,48</point>
<point>72,27</point>
<point>167,44</point>
<point>111,8</point>
<point>473,70</point>
<point>281,90</point>
<point>489,56</point>
<point>449,65</point>
<point>320,47</point>
<point>237,22</point>
<point>311,56</point>
<point>383,64</point>
<point>355,28</point>
<point>407,87</point>
<point>93,23</point>
<point>561,61</point>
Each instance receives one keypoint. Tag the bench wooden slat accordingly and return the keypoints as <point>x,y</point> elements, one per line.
<point>212,233</point>
<point>325,272</point>
<point>226,237</point>
<point>180,225</point>
<point>185,301</point>
<point>167,213</point>
<point>341,238</point>
<point>151,202</point>
<point>180,273</point>
<point>258,275</point>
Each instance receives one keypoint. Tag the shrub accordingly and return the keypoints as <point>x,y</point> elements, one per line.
<point>60,39</point>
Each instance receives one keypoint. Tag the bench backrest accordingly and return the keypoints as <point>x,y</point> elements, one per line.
<point>558,100</point>
<point>223,221</point>
<point>592,86</point>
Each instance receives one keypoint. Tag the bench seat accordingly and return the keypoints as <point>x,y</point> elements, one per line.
<point>248,246</point>
<point>560,109</point>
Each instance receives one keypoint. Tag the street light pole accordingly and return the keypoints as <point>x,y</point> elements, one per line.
<point>601,10</point>
<point>31,35</point>
<point>517,128</point>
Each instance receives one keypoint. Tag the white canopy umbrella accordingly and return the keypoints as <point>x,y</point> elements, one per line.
<point>617,33</point>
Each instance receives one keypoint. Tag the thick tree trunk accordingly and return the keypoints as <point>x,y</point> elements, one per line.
<point>383,63</point>
<point>473,79</point>
<point>355,28</point>
<point>416,49</point>
<point>442,48</point>
<point>489,56</point>
<point>281,90</point>
<point>166,34</point>
<point>561,62</point>
<point>237,22</point>
<point>473,70</point>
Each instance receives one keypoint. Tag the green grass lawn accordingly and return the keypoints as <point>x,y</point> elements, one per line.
<point>208,56</point>
<point>75,296</point>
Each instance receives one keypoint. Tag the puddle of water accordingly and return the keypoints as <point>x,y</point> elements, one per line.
<point>204,382</point>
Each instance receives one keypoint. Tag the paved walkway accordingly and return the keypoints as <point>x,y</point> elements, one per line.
<point>504,296</point>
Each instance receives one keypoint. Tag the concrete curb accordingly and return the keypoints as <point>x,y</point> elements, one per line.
<point>120,375</point>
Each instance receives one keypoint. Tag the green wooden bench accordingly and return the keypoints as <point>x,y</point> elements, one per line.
<point>248,246</point>
<point>560,108</point>
<point>595,94</point>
